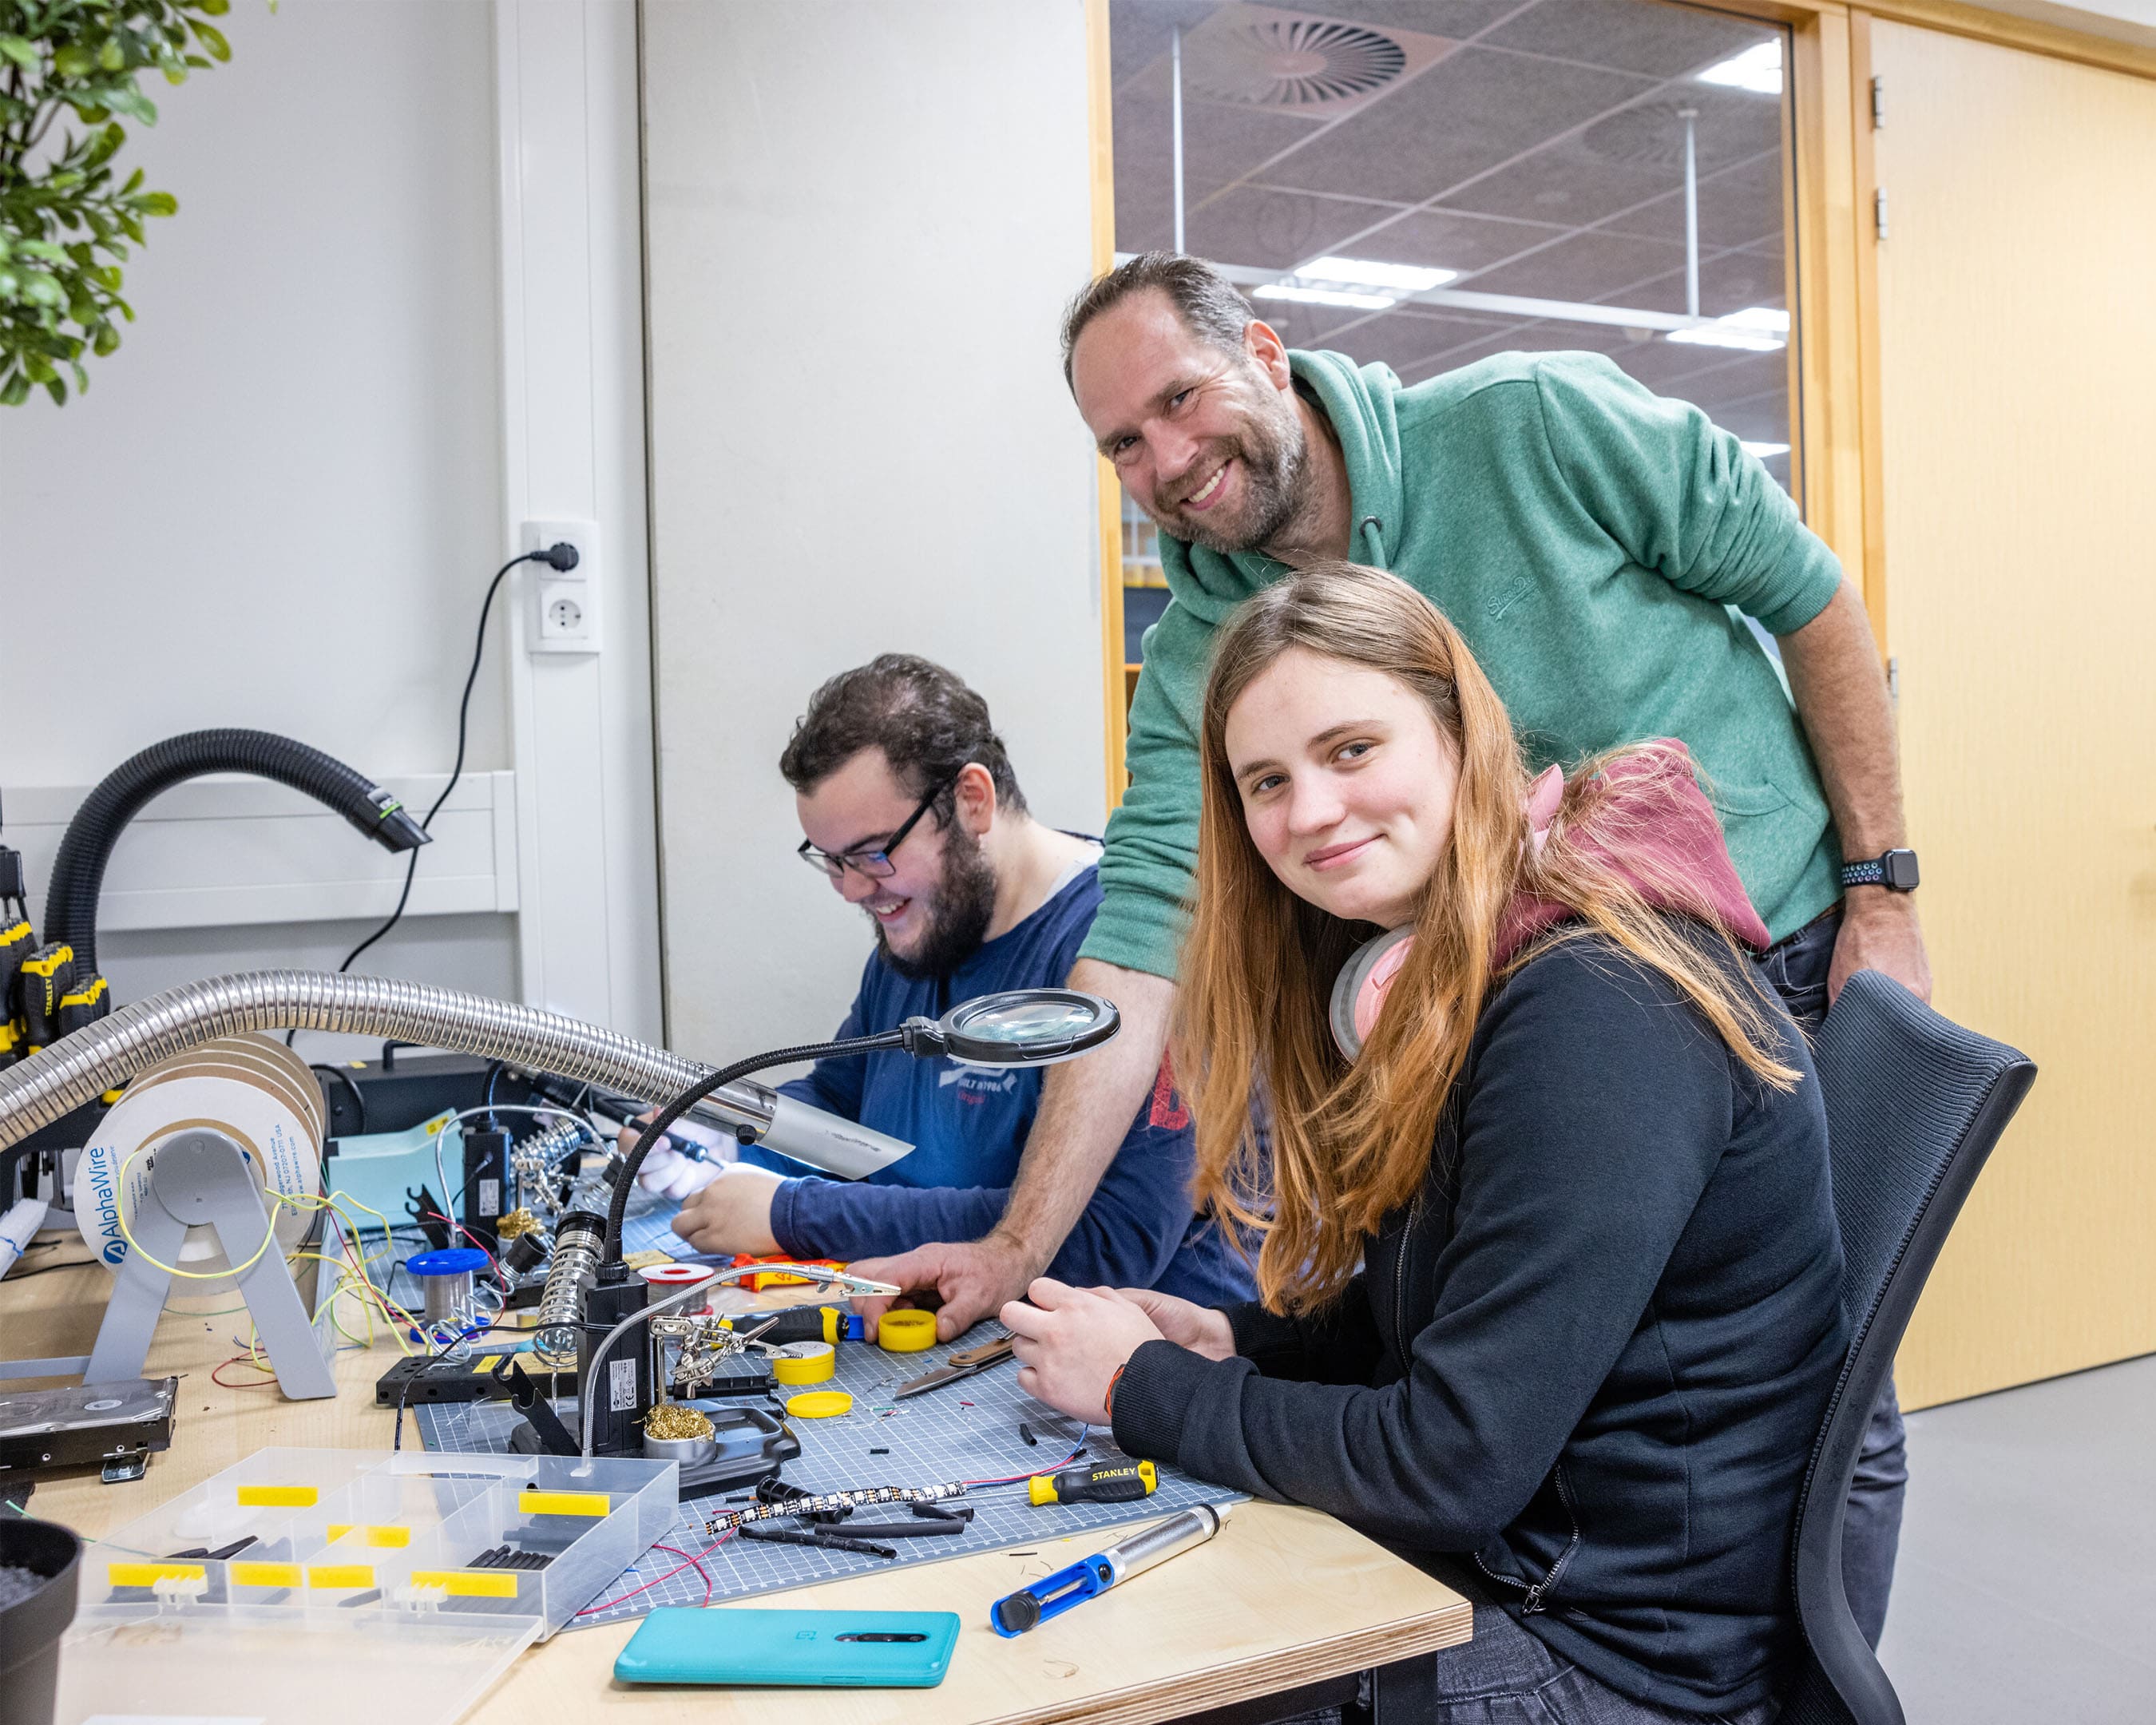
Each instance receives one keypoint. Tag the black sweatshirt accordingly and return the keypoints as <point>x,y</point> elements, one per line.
<point>1594,1353</point>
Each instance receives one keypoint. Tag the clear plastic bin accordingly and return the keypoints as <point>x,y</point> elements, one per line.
<point>392,1541</point>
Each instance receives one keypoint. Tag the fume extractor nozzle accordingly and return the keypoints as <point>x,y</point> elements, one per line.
<point>79,866</point>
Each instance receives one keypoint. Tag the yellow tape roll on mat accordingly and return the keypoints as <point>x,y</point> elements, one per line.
<point>820,1404</point>
<point>804,1361</point>
<point>907,1332</point>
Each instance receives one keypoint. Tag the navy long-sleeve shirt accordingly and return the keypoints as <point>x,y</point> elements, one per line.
<point>968,1124</point>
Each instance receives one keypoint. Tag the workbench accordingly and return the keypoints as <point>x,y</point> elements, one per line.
<point>1282,1598</point>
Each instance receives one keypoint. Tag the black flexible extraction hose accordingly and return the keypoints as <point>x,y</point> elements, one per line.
<point>78,869</point>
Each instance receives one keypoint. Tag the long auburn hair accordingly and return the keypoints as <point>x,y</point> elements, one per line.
<point>1352,1142</point>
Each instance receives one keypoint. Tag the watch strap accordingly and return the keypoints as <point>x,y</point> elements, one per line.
<point>1864,874</point>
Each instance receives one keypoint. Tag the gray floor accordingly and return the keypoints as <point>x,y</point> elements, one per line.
<point>2026,1588</point>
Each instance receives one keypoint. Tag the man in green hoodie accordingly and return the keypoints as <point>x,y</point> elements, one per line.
<point>1595,544</point>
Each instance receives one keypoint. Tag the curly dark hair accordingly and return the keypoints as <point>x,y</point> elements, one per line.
<point>924,718</point>
<point>1205,299</point>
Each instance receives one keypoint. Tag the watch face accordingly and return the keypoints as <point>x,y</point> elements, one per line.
<point>1901,867</point>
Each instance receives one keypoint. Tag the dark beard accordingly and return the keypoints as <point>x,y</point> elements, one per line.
<point>1272,452</point>
<point>965,905</point>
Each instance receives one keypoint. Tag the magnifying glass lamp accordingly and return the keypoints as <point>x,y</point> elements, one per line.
<point>1017,1027</point>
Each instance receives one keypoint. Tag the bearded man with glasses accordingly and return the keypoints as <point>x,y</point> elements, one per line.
<point>914,814</point>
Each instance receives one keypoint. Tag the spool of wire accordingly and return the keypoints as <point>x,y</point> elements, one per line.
<point>450,1313</point>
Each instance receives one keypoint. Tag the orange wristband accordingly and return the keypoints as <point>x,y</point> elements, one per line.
<point>1108,1401</point>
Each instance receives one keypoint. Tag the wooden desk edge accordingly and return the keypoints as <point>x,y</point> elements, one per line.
<point>1252,1679</point>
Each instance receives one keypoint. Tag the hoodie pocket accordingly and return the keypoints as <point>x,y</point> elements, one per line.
<point>1535,1594</point>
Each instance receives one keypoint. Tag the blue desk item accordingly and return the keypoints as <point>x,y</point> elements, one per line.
<point>1014,1613</point>
<point>865,1649</point>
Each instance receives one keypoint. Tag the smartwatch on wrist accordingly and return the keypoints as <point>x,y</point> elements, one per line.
<point>1894,870</point>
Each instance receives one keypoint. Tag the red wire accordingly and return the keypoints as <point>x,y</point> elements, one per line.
<point>695,1562</point>
<point>1036,1473</point>
<point>432,1216</point>
<point>264,1383</point>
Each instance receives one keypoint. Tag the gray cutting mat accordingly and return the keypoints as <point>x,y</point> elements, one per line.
<point>966,1430</point>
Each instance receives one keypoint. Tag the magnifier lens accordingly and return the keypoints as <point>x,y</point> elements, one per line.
<point>1024,1022</point>
<point>1028,1027</point>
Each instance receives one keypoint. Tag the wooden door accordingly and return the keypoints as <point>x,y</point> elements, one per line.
<point>2017,296</point>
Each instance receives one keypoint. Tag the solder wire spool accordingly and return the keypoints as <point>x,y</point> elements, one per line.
<point>804,1362</point>
<point>450,1315</point>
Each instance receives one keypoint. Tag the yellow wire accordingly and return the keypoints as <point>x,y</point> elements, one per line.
<point>119,1215</point>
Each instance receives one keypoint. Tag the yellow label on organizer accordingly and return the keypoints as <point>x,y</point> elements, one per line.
<point>564,1503</point>
<point>150,1574</point>
<point>468,1584</point>
<point>488,1364</point>
<point>266,1574</point>
<point>277,1496</point>
<point>339,1575</point>
<point>377,1535</point>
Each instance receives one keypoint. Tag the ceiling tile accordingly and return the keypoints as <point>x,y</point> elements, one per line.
<point>1623,159</point>
<point>1739,206</point>
<point>1250,225</point>
<point>1139,30</point>
<point>1586,266</point>
<point>1466,115</point>
<point>1220,143</point>
<point>1728,283</point>
<point>1445,239</point>
<point>1457,18</point>
<point>1630,35</point>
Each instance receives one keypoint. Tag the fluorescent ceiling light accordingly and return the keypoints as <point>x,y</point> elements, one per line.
<point>1757,329</point>
<point>1757,70</point>
<point>1321,296</point>
<point>1763,451</point>
<point>1360,272</point>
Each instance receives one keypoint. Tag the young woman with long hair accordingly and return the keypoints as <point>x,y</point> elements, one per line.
<point>1549,1267</point>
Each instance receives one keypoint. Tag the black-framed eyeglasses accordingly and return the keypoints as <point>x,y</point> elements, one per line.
<point>873,863</point>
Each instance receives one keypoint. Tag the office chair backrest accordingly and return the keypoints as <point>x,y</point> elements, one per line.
<point>1913,1105</point>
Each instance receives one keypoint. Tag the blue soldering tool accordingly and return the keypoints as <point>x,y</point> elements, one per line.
<point>1014,1613</point>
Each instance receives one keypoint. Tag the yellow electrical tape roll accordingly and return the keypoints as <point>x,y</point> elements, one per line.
<point>820,1404</point>
<point>804,1361</point>
<point>907,1332</point>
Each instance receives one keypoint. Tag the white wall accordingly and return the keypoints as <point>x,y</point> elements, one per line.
<point>280,501</point>
<point>399,312</point>
<point>862,221</point>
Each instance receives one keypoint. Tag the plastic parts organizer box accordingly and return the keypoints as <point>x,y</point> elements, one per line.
<point>298,1582</point>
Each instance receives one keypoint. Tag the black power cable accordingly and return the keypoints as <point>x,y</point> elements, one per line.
<point>560,556</point>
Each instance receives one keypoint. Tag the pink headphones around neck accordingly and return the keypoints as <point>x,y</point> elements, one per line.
<point>1358,992</point>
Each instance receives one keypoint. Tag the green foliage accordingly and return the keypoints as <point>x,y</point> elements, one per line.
<point>66,219</point>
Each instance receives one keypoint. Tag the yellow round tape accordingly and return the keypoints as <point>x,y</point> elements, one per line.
<point>804,1361</point>
<point>819,1403</point>
<point>907,1332</point>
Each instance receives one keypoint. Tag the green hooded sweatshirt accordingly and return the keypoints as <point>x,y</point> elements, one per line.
<point>1595,543</point>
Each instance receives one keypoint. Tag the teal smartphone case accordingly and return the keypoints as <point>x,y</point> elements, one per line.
<point>870,1650</point>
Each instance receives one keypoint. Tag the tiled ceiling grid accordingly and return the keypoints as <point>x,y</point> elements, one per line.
<point>1541,156</point>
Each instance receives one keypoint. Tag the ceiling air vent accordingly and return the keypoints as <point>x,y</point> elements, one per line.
<point>1259,56</point>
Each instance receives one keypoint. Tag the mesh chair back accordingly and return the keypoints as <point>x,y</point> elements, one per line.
<point>1914,1104</point>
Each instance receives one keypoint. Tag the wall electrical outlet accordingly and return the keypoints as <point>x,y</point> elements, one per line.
<point>565,602</point>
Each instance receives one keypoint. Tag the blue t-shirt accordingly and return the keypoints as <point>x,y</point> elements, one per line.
<point>968,1124</point>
